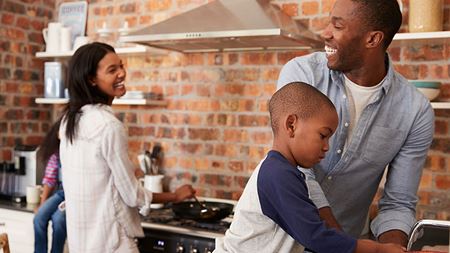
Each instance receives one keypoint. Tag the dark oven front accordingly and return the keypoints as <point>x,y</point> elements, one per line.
<point>160,240</point>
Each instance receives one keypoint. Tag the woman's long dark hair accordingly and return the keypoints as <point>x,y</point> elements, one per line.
<point>50,145</point>
<point>82,68</point>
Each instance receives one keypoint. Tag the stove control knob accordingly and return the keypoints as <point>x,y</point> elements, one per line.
<point>194,250</point>
<point>207,250</point>
<point>180,249</point>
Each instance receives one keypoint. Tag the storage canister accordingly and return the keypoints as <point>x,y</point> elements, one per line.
<point>54,81</point>
<point>425,15</point>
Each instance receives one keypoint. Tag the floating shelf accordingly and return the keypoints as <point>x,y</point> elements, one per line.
<point>422,36</point>
<point>131,101</point>
<point>139,49</point>
<point>440,105</point>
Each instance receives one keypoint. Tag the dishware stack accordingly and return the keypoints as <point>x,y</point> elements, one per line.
<point>430,89</point>
<point>57,37</point>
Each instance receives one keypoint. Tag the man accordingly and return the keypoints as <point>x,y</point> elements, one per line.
<point>383,122</point>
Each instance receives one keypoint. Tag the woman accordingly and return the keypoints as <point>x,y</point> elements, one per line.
<point>101,189</point>
<point>48,208</point>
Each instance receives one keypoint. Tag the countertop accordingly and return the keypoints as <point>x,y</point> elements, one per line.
<point>24,207</point>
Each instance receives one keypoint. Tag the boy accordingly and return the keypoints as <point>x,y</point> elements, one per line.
<point>274,213</point>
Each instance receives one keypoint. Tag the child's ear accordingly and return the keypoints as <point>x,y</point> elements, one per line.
<point>290,124</point>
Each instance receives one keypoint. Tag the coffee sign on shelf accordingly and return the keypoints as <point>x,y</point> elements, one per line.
<point>73,15</point>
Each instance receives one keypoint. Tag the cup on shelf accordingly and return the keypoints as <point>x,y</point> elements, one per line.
<point>52,37</point>
<point>80,41</point>
<point>65,39</point>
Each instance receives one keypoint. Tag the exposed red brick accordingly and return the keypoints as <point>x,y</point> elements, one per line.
<point>23,22</point>
<point>7,19</point>
<point>310,8</point>
<point>443,182</point>
<point>327,5</point>
<point>203,134</point>
<point>291,9</point>
<point>258,58</point>
<point>158,5</point>
<point>426,181</point>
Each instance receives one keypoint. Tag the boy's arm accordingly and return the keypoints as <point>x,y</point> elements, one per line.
<point>318,198</point>
<point>369,246</point>
<point>327,216</point>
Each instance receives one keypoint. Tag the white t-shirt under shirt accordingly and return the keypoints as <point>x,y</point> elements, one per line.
<point>359,97</point>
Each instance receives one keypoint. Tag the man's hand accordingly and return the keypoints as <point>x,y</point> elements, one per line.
<point>394,236</point>
<point>326,215</point>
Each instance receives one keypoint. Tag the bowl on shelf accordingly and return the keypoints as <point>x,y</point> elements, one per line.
<point>430,89</point>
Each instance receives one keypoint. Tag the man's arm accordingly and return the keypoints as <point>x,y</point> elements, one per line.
<point>397,206</point>
<point>394,236</point>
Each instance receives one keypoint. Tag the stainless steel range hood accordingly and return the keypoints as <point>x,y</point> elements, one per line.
<point>227,25</point>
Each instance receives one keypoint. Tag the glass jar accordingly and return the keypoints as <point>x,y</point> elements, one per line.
<point>425,15</point>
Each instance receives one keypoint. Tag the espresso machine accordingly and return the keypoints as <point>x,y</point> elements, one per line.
<point>28,171</point>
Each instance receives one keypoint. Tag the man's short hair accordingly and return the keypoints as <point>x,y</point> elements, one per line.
<point>381,15</point>
<point>297,98</point>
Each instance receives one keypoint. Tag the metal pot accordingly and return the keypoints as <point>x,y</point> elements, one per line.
<point>192,210</point>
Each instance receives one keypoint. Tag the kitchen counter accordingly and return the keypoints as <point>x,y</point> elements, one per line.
<point>24,207</point>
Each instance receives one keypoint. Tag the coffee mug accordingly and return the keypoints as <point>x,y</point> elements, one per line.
<point>80,41</point>
<point>65,39</point>
<point>33,194</point>
<point>154,184</point>
<point>52,37</point>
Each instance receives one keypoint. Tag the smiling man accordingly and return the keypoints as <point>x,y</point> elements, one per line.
<point>384,122</point>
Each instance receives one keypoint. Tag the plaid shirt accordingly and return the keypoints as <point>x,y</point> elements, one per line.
<point>102,192</point>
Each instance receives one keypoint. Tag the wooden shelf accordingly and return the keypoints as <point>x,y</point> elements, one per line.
<point>130,101</point>
<point>440,105</point>
<point>422,36</point>
<point>139,49</point>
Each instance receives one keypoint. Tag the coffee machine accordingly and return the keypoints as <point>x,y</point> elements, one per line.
<point>29,170</point>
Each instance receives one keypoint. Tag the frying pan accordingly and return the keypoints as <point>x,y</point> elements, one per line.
<point>191,210</point>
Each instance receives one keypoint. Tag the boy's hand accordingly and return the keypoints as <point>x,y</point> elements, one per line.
<point>184,192</point>
<point>390,248</point>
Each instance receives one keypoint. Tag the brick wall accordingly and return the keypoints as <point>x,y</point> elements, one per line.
<point>21,74</point>
<point>215,128</point>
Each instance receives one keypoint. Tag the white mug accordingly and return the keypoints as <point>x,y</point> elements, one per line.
<point>33,194</point>
<point>154,184</point>
<point>65,39</point>
<point>52,37</point>
<point>80,41</point>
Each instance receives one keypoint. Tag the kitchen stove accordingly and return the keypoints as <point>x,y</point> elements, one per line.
<point>164,232</point>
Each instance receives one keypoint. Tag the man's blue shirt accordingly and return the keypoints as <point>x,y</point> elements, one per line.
<point>393,132</point>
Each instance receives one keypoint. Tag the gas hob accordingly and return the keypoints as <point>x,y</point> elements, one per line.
<point>164,232</point>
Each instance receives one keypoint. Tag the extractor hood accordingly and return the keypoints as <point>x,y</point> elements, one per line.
<point>228,25</point>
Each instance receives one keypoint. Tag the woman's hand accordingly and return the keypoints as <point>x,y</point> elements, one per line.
<point>184,192</point>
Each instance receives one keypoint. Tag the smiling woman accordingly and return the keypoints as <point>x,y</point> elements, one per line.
<point>101,189</point>
<point>110,77</point>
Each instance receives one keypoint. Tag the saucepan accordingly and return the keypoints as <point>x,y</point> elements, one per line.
<point>195,211</point>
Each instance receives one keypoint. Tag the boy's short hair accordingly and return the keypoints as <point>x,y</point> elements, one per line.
<point>297,98</point>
